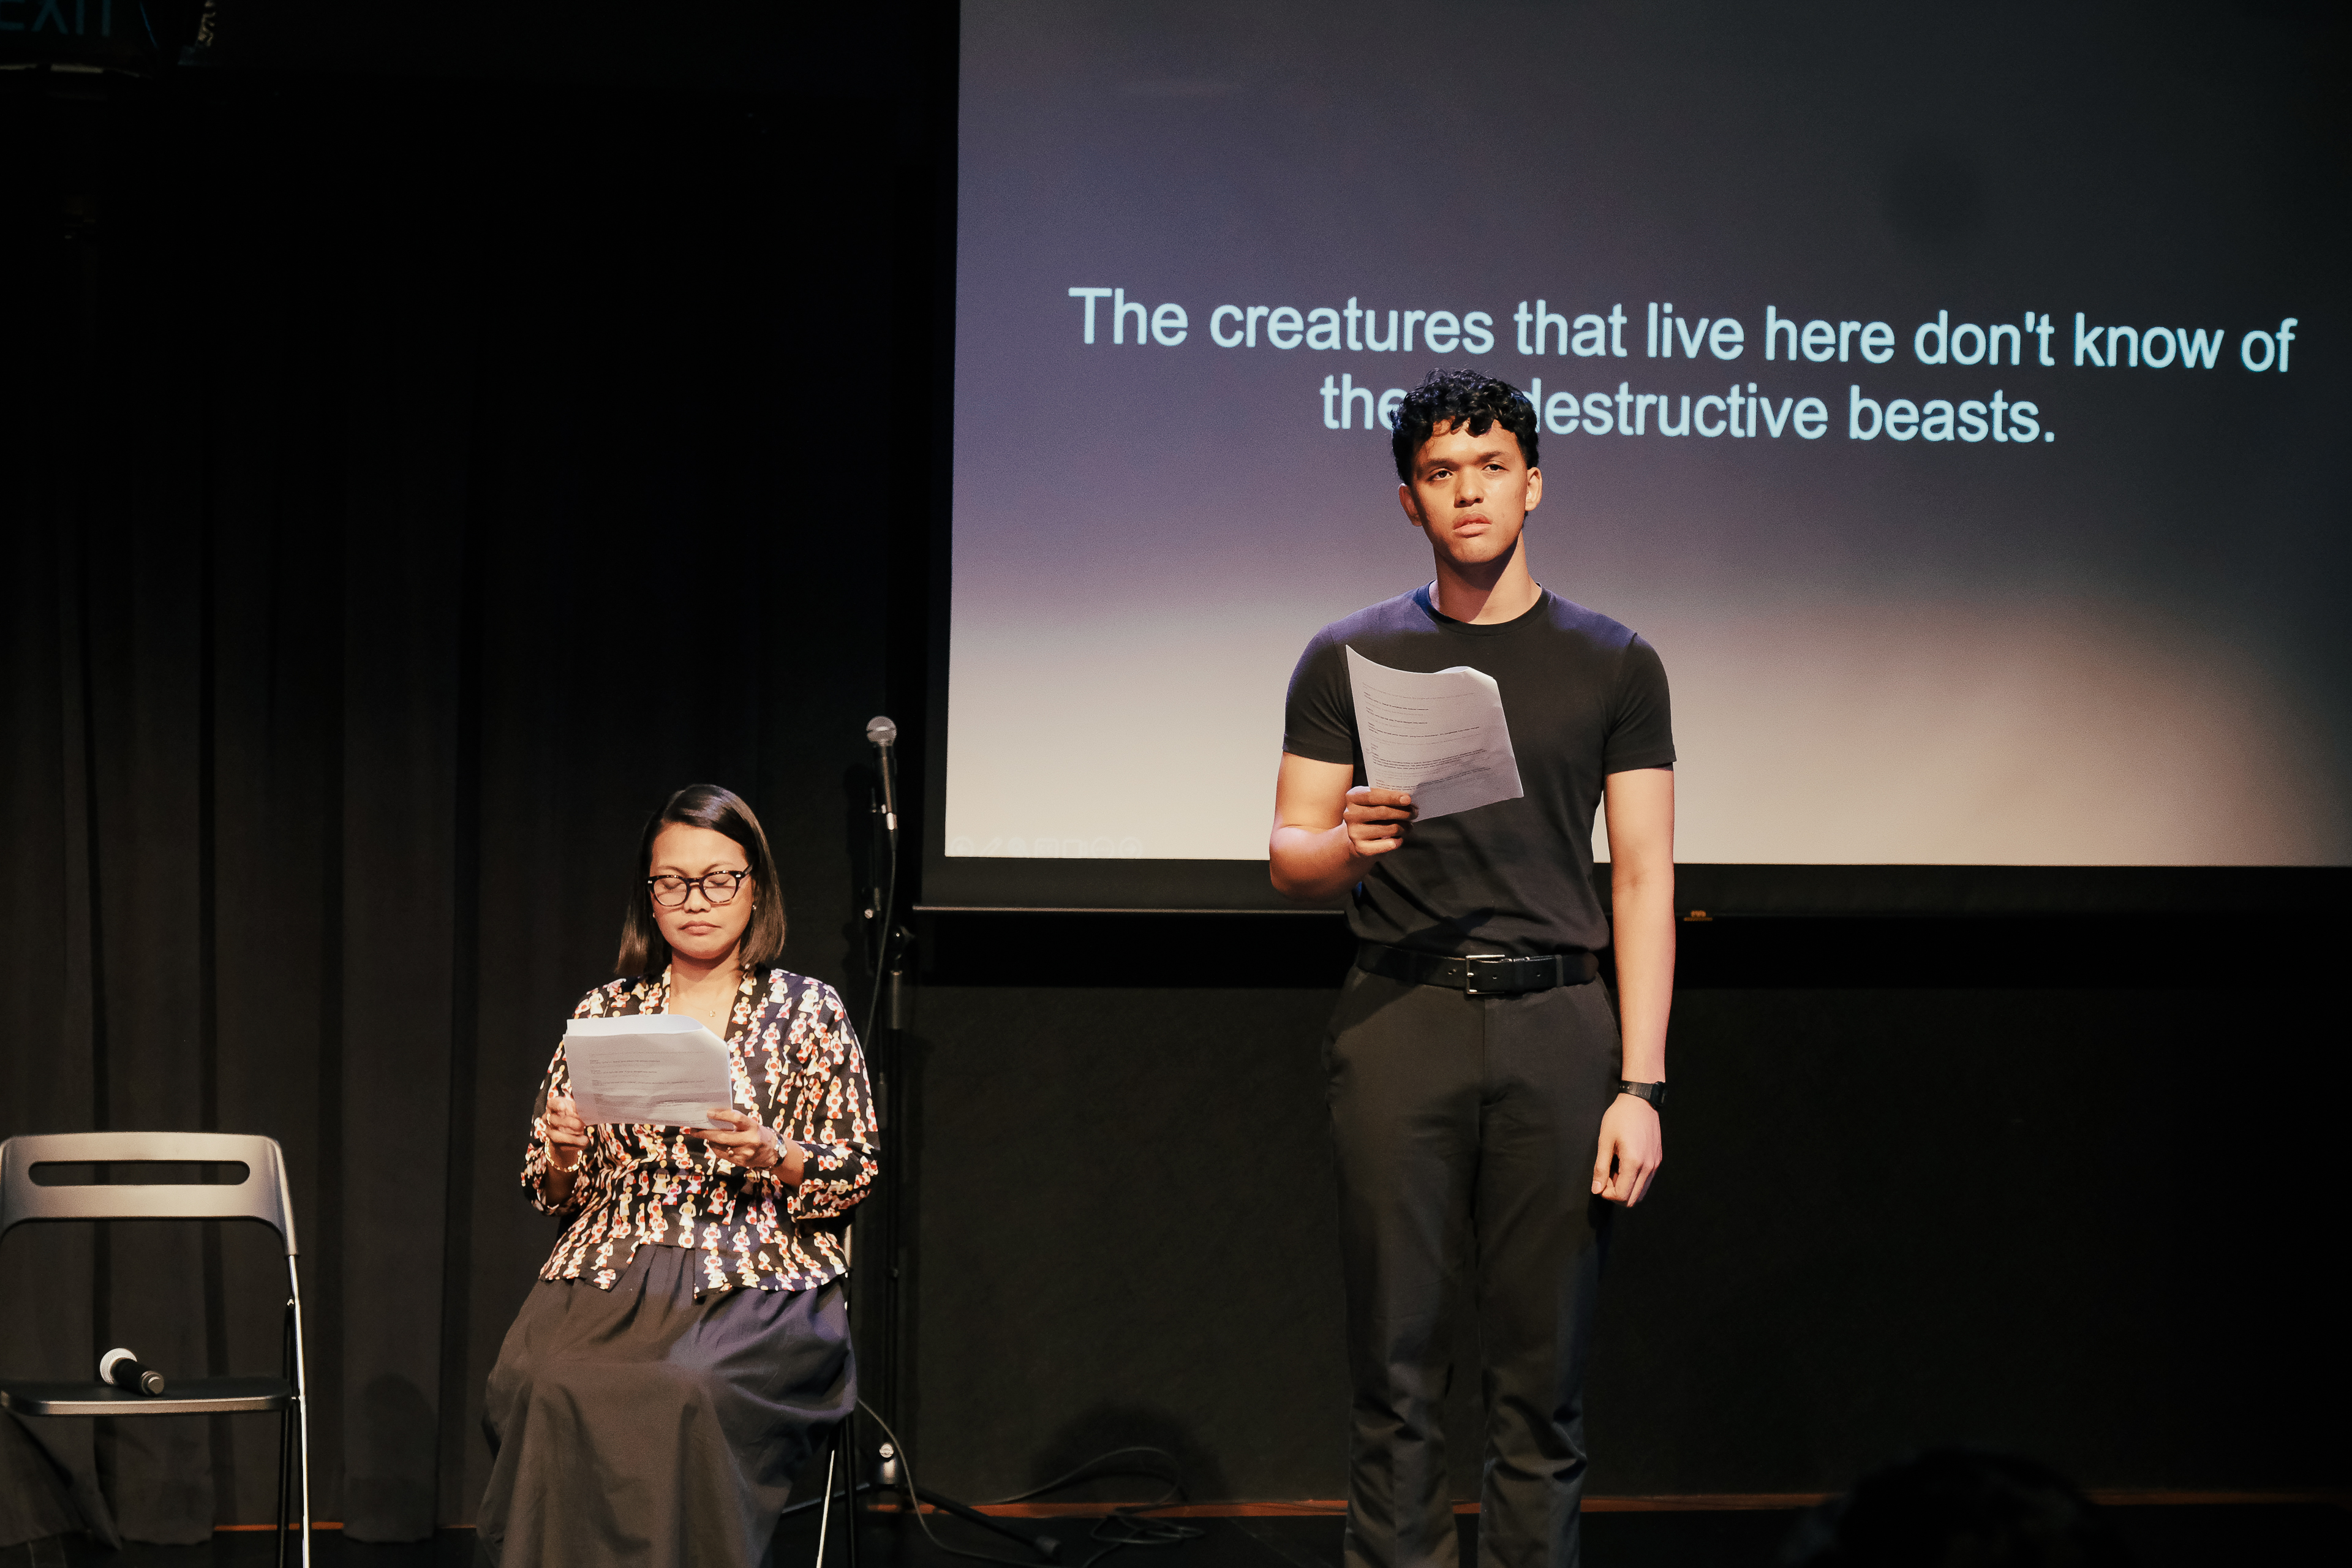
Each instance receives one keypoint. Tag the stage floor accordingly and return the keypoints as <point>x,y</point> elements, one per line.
<point>2274,1535</point>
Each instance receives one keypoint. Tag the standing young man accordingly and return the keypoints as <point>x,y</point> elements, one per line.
<point>1487,1109</point>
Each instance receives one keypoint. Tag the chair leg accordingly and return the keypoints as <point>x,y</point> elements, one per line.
<point>825,1509</point>
<point>848,1440</point>
<point>302,1457</point>
<point>285,1455</point>
<point>294,1442</point>
<point>285,1437</point>
<point>301,1409</point>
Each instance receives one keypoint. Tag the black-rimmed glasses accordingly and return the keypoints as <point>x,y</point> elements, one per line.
<point>719,886</point>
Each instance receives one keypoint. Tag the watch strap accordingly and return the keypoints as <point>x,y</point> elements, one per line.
<point>1655,1093</point>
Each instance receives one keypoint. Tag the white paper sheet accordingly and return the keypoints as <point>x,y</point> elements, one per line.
<point>661,1067</point>
<point>1441,736</point>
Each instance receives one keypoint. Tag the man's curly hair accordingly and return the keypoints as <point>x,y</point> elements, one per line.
<point>1467,400</point>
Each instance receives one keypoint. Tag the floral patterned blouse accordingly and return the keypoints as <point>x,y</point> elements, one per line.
<point>797,1063</point>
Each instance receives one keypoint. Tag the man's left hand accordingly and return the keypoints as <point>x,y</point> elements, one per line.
<point>1631,1149</point>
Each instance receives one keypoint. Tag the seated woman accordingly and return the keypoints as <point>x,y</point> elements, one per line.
<point>687,1346</point>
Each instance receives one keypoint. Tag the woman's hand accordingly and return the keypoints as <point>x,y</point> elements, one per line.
<point>738,1138</point>
<point>567,1135</point>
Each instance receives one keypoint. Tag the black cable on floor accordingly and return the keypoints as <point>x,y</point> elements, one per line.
<point>1121,1528</point>
<point>915,1505</point>
<point>1117,1529</point>
<point>1175,1479</point>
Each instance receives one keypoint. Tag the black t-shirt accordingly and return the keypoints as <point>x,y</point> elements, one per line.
<point>1584,699</point>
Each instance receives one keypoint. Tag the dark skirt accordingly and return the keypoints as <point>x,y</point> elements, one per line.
<point>640,1425</point>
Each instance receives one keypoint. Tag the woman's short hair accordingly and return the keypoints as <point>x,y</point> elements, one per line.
<point>644,949</point>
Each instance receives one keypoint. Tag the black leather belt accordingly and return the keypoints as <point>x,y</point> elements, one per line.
<point>1480,974</point>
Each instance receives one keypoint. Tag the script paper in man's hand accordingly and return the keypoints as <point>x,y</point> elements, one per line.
<point>661,1067</point>
<point>1442,736</point>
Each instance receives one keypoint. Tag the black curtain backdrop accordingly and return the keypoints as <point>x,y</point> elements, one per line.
<point>407,486</point>
<point>2033,1194</point>
<point>408,482</point>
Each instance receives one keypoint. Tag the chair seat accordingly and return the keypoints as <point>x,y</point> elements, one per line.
<point>181,1397</point>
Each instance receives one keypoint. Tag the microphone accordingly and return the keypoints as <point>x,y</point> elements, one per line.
<point>884,734</point>
<point>120,1368</point>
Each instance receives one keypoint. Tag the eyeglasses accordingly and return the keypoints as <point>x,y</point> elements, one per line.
<point>719,886</point>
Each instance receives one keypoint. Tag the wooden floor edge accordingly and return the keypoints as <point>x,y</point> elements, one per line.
<point>1674,1502</point>
<point>2111,1497</point>
<point>1681,1503</point>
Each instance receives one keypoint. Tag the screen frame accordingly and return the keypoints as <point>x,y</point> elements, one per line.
<point>963,884</point>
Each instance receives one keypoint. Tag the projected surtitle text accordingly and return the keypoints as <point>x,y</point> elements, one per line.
<point>2028,341</point>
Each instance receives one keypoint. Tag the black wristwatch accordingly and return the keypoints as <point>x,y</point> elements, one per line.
<point>1655,1093</point>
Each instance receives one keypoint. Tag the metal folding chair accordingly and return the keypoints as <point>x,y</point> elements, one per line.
<point>262,1196</point>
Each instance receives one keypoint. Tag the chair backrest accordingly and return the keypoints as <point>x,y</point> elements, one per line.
<point>262,1195</point>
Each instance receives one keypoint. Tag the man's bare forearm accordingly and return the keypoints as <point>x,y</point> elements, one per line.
<point>1643,904</point>
<point>1310,867</point>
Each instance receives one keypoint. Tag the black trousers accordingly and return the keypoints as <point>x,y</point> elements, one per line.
<point>1466,1127</point>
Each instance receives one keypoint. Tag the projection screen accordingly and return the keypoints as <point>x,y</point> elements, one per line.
<point>1945,397</point>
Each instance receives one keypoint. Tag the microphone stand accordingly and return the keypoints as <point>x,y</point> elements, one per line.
<point>887,941</point>
<point>886,949</point>
<point>882,905</point>
<point>887,945</point>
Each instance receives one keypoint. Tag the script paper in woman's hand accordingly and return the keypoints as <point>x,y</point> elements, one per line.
<point>657,1068</point>
<point>1441,736</point>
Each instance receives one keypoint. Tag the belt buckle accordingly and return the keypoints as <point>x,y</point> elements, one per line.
<point>1470,963</point>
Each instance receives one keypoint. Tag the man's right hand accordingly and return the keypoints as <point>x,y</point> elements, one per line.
<point>1376,819</point>
<point>1324,831</point>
